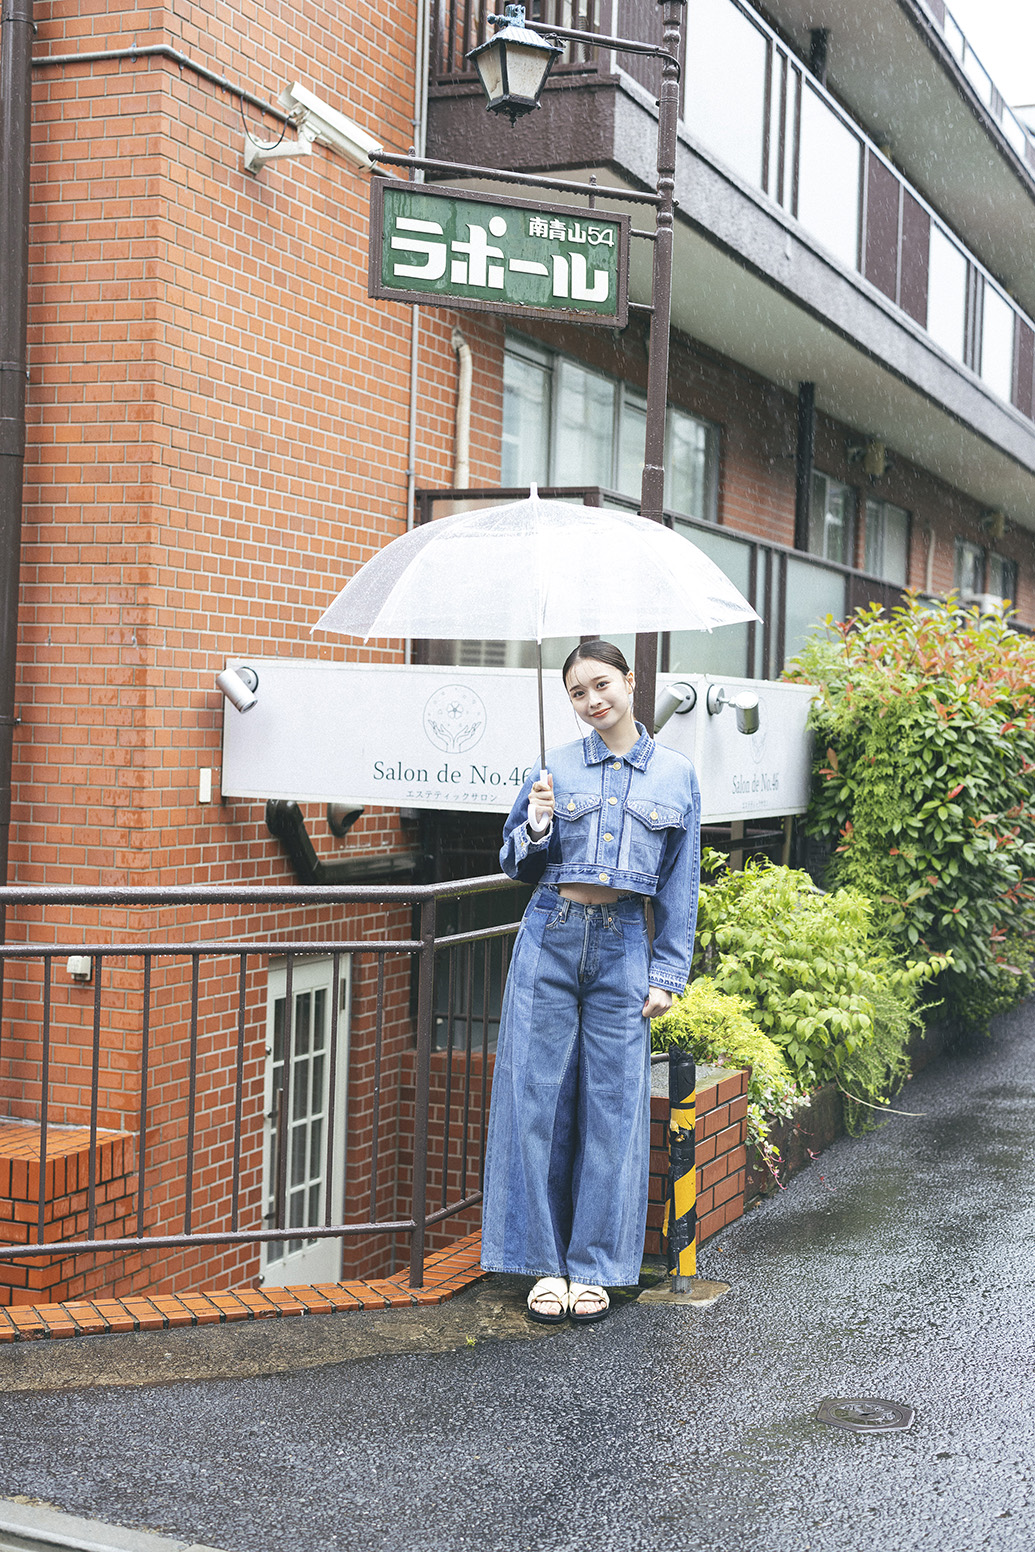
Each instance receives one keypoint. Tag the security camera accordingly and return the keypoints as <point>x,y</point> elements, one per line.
<point>325,124</point>
<point>674,699</point>
<point>239,686</point>
<point>745,704</point>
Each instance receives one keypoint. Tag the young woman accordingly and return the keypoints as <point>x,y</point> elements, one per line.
<point>615,823</point>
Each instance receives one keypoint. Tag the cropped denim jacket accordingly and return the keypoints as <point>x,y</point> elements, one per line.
<point>632,822</point>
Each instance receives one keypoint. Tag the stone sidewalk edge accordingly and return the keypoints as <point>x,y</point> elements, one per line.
<point>445,1272</point>
<point>34,1526</point>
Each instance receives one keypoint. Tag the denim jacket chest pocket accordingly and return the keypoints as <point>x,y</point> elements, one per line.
<point>578,821</point>
<point>645,834</point>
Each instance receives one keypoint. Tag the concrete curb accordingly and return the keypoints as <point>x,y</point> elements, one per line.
<point>31,1527</point>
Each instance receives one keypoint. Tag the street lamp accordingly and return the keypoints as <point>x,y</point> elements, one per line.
<point>505,65</point>
<point>514,64</point>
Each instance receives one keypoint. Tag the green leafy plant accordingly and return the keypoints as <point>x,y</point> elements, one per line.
<point>717,1028</point>
<point>925,738</point>
<point>816,977</point>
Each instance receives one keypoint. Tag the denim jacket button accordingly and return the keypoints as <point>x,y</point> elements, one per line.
<point>616,765</point>
<point>612,800</point>
<point>608,836</point>
<point>604,877</point>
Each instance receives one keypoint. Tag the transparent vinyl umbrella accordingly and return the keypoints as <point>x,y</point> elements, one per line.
<point>531,569</point>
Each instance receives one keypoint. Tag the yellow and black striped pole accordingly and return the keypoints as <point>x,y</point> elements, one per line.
<point>681,1206</point>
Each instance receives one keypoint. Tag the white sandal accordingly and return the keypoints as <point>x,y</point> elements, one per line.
<point>555,1288</point>
<point>577,1291</point>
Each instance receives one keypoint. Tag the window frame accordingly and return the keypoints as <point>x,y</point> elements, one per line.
<point>536,353</point>
<point>883,507</point>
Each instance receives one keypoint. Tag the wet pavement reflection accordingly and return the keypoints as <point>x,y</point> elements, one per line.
<point>898,1266</point>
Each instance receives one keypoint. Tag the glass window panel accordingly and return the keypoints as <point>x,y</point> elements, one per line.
<point>632,433</point>
<point>774,183</point>
<point>946,294</point>
<point>829,162</point>
<point>887,541</point>
<point>725,85</point>
<point>303,1013</point>
<point>1002,577</point>
<point>997,344</point>
<point>954,37</point>
<point>896,545</point>
<point>812,594</point>
<point>718,651</point>
<point>689,470</point>
<point>298,1155</point>
<point>525,444</point>
<point>970,569</point>
<point>1014,133</point>
<point>585,425</point>
<point>979,76</point>
<point>830,519</point>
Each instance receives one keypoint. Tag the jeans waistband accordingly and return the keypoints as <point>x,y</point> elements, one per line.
<point>548,897</point>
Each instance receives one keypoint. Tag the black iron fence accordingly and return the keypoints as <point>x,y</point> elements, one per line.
<point>268,1084</point>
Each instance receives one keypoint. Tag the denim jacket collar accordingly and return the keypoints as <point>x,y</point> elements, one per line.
<point>595,751</point>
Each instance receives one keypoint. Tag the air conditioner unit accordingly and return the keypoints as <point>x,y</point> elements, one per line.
<point>988,603</point>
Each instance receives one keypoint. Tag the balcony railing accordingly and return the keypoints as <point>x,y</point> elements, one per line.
<point>1011,126</point>
<point>753,102</point>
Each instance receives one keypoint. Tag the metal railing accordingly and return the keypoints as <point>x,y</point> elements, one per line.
<point>166,1049</point>
<point>781,130</point>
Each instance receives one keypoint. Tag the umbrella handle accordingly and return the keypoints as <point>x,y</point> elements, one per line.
<point>542,720</point>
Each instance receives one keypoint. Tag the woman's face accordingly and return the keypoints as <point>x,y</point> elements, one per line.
<point>601,695</point>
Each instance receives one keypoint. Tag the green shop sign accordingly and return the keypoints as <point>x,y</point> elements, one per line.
<point>430,244</point>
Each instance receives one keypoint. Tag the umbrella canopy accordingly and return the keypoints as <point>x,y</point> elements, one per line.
<point>533,569</point>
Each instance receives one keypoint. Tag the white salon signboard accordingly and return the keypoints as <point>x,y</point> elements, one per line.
<point>464,738</point>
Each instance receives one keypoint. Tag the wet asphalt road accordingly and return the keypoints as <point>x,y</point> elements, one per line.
<point>900,1266</point>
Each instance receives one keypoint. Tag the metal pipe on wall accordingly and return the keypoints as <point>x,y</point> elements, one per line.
<point>652,490</point>
<point>16,31</point>
<point>464,379</point>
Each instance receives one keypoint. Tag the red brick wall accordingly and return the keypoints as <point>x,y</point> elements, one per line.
<point>217,436</point>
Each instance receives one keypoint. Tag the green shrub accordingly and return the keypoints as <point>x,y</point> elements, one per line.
<point>816,977</point>
<point>716,1027</point>
<point>925,739</point>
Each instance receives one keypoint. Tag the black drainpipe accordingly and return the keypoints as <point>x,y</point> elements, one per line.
<point>286,823</point>
<point>16,30</point>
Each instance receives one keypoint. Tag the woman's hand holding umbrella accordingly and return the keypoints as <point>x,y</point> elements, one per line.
<point>541,806</point>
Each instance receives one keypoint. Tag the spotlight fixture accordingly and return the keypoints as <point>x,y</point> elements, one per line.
<point>239,686</point>
<point>745,704</point>
<point>673,700</point>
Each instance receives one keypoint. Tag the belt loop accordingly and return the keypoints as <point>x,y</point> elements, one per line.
<point>565,907</point>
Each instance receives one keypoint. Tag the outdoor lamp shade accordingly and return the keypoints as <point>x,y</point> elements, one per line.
<point>513,65</point>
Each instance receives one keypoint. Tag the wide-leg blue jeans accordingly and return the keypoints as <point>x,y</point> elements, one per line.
<point>569,1127</point>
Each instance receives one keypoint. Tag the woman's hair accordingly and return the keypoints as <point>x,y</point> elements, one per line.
<point>599,652</point>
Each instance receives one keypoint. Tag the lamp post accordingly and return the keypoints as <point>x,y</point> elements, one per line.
<point>513,67</point>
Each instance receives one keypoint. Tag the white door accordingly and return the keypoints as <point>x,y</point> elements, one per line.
<point>300,1115</point>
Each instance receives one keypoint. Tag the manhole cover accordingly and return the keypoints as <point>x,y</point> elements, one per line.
<point>865,1414</point>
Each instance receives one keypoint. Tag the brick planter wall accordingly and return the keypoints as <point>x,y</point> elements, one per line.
<point>65,1208</point>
